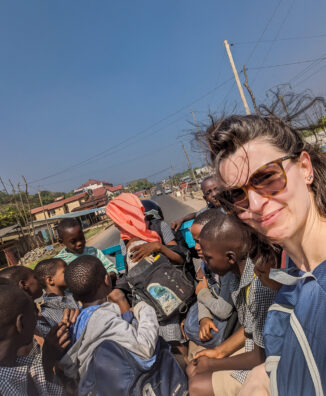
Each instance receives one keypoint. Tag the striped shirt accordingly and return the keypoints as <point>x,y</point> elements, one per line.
<point>68,257</point>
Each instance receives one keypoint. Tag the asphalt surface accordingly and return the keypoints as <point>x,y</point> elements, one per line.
<point>172,210</point>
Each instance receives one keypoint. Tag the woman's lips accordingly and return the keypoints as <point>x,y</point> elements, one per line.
<point>270,218</point>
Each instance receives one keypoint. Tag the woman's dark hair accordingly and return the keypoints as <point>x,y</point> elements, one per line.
<point>226,134</point>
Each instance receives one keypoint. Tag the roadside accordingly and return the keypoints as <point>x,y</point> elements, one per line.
<point>197,202</point>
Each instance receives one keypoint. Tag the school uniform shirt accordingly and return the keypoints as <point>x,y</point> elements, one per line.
<point>68,257</point>
<point>27,378</point>
<point>252,301</point>
<point>52,308</point>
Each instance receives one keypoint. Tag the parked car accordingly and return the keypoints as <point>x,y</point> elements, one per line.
<point>159,192</point>
<point>168,191</point>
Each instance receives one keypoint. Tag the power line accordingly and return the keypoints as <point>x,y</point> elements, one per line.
<point>307,68</point>
<point>311,75</point>
<point>286,64</point>
<point>279,39</point>
<point>125,142</point>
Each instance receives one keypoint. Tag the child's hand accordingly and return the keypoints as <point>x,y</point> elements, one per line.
<point>206,325</point>
<point>175,225</point>
<point>145,250</point>
<point>215,353</point>
<point>56,343</point>
<point>69,316</point>
<point>199,366</point>
<point>182,328</point>
<point>201,285</point>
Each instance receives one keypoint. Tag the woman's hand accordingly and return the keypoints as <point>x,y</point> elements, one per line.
<point>141,251</point>
<point>201,285</point>
<point>206,325</point>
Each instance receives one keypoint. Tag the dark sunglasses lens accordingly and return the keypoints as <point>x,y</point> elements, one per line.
<point>237,197</point>
<point>269,180</point>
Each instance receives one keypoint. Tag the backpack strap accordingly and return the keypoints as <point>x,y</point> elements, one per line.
<point>305,347</point>
<point>282,276</point>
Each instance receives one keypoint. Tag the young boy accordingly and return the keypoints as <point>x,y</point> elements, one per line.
<point>31,374</point>
<point>206,321</point>
<point>24,278</point>
<point>72,236</point>
<point>50,274</point>
<point>226,244</point>
<point>101,319</point>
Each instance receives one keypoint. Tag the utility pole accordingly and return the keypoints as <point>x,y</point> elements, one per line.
<point>46,219</point>
<point>236,76</point>
<point>190,167</point>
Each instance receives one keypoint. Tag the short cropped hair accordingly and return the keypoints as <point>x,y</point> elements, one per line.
<point>83,276</point>
<point>209,177</point>
<point>209,214</point>
<point>16,273</point>
<point>64,224</point>
<point>46,268</point>
<point>13,301</point>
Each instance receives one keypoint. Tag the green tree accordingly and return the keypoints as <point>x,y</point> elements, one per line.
<point>139,185</point>
<point>7,217</point>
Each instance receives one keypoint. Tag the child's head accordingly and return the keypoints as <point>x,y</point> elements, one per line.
<point>209,187</point>
<point>87,279</point>
<point>225,242</point>
<point>51,274</point>
<point>71,235</point>
<point>198,224</point>
<point>24,278</point>
<point>17,315</point>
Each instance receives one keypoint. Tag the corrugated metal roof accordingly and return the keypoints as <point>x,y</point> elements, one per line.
<point>73,214</point>
<point>7,230</point>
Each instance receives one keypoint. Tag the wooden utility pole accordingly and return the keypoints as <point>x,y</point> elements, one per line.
<point>246,84</point>
<point>236,76</point>
<point>190,167</point>
<point>29,206</point>
<point>46,219</point>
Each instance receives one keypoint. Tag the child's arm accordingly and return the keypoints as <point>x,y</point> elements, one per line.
<point>217,306</point>
<point>108,264</point>
<point>244,361</point>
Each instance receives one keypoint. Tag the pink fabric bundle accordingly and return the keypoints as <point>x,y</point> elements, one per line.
<point>127,212</point>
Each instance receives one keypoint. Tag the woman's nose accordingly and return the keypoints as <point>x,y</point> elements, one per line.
<point>256,201</point>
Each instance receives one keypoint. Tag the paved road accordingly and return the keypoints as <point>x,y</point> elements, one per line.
<point>172,209</point>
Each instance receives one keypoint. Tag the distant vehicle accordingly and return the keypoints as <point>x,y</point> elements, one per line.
<point>168,191</point>
<point>159,192</point>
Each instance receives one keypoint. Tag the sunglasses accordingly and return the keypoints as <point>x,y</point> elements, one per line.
<point>267,181</point>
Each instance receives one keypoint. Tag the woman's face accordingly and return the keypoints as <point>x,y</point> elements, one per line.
<point>281,216</point>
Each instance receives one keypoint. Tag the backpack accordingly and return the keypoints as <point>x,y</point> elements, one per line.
<point>114,371</point>
<point>161,285</point>
<point>294,334</point>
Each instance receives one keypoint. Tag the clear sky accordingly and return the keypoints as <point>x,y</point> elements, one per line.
<point>103,89</point>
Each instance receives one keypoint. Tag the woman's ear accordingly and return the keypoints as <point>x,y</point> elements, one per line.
<point>306,167</point>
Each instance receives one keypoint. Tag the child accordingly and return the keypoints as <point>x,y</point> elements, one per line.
<point>50,274</point>
<point>206,321</point>
<point>101,320</point>
<point>226,244</point>
<point>72,236</point>
<point>24,278</point>
<point>32,374</point>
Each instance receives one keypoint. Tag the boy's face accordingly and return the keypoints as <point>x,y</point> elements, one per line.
<point>59,277</point>
<point>210,190</point>
<point>74,239</point>
<point>195,231</point>
<point>215,257</point>
<point>32,286</point>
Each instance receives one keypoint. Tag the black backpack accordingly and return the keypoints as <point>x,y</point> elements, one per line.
<point>162,285</point>
<point>114,371</point>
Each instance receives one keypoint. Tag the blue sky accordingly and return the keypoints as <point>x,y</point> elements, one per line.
<point>103,89</point>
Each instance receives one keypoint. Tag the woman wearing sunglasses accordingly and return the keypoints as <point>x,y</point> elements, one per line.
<point>276,183</point>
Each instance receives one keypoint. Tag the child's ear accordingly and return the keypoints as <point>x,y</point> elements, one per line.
<point>231,257</point>
<point>108,281</point>
<point>22,284</point>
<point>49,280</point>
<point>19,324</point>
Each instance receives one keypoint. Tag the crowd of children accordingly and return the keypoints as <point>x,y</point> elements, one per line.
<point>75,326</point>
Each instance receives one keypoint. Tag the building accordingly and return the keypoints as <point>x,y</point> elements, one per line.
<point>59,207</point>
<point>92,184</point>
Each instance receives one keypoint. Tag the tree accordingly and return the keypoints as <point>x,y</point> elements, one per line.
<point>139,185</point>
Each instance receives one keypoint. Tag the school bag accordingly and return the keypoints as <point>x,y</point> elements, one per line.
<point>295,335</point>
<point>114,371</point>
<point>161,285</point>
